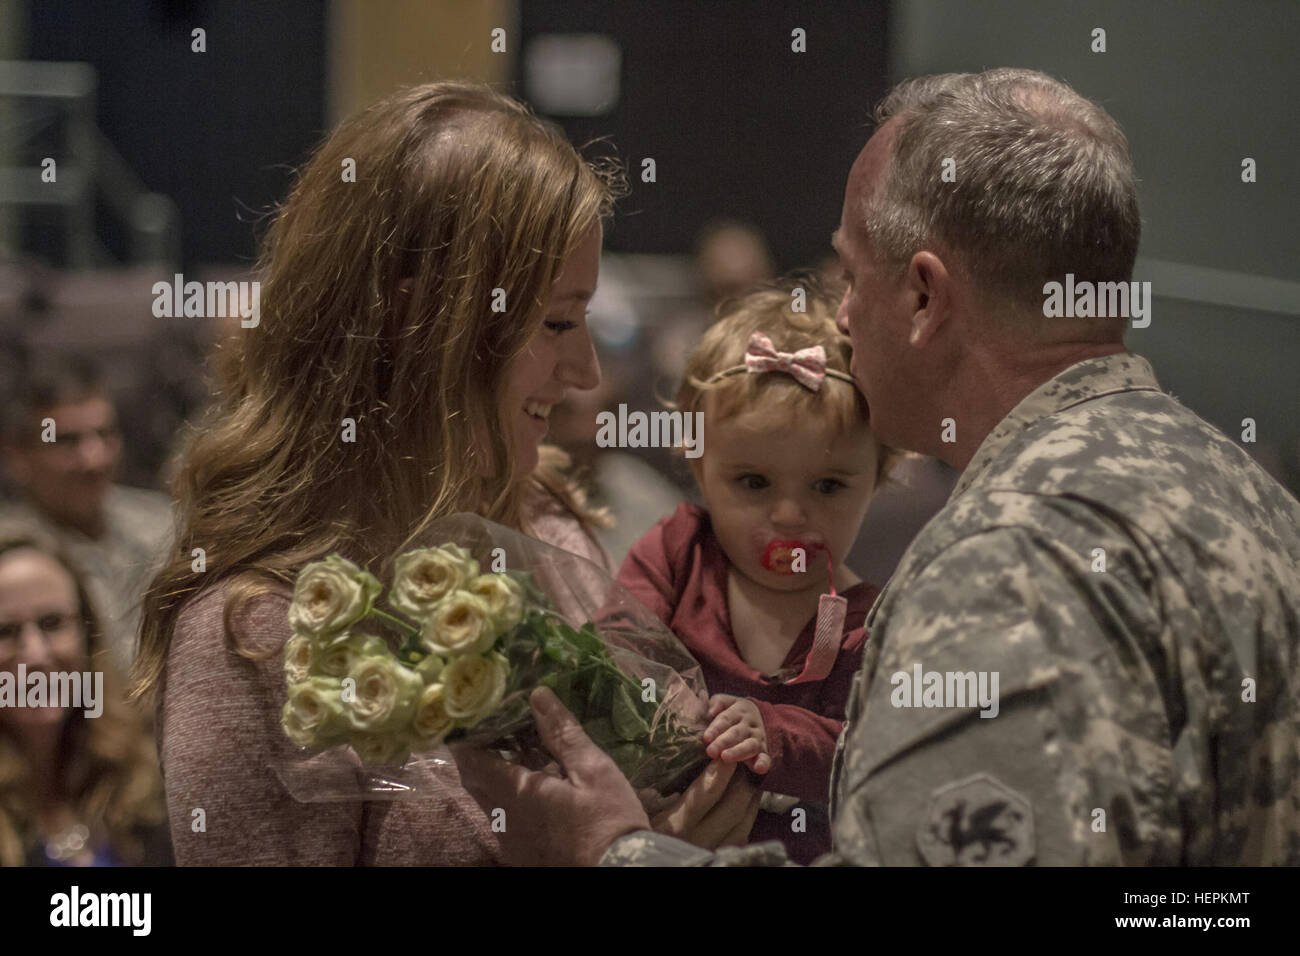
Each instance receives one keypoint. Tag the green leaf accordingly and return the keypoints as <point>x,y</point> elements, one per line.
<point>560,650</point>
<point>600,696</point>
<point>563,685</point>
<point>629,758</point>
<point>601,732</point>
<point>626,717</point>
<point>586,641</point>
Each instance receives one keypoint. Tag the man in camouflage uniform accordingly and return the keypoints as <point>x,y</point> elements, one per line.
<point>1129,575</point>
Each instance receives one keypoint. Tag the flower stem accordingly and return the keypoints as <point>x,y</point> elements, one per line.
<point>407,629</point>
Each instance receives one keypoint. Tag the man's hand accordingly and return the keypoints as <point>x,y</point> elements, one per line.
<point>718,809</point>
<point>736,732</point>
<point>551,820</point>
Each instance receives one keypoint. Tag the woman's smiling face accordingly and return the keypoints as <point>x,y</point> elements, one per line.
<point>772,485</point>
<point>40,627</point>
<point>559,357</point>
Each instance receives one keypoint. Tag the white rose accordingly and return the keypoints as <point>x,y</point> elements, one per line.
<point>460,624</point>
<point>384,695</point>
<point>381,750</point>
<point>313,715</point>
<point>298,658</point>
<point>430,667</point>
<point>331,595</point>
<point>503,597</point>
<point>424,577</point>
<point>473,687</point>
<point>341,655</point>
<point>431,722</point>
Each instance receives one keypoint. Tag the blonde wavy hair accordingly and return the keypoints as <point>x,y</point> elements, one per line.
<point>108,765</point>
<point>377,300</point>
<point>770,310</point>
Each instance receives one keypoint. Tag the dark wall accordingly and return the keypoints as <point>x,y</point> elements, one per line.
<point>215,131</point>
<point>737,123</point>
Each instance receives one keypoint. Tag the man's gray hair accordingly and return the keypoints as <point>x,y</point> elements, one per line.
<point>1044,182</point>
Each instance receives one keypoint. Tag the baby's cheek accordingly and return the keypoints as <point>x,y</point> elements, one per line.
<point>736,542</point>
<point>838,545</point>
<point>746,545</point>
<point>840,530</point>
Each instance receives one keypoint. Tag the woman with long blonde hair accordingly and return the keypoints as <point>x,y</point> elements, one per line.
<point>78,784</point>
<point>423,306</point>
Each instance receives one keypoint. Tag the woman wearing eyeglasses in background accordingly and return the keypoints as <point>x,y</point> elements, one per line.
<point>74,790</point>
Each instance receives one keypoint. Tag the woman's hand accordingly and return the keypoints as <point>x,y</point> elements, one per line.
<point>718,809</point>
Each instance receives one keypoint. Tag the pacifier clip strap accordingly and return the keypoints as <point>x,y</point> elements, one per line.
<point>828,633</point>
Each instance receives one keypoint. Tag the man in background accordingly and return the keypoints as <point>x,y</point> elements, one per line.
<point>62,450</point>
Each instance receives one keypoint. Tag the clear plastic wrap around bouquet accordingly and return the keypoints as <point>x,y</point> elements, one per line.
<point>470,625</point>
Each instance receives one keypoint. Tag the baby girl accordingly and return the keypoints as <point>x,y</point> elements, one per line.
<point>788,468</point>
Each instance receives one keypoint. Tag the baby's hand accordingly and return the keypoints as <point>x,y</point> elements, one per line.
<point>736,733</point>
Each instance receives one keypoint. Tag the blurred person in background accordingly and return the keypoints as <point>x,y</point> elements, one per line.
<point>75,790</point>
<point>918,490</point>
<point>731,258</point>
<point>632,492</point>
<point>62,450</point>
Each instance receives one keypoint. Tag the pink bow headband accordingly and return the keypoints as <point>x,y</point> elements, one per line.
<point>806,366</point>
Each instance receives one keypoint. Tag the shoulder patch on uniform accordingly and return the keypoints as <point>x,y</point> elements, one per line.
<point>977,822</point>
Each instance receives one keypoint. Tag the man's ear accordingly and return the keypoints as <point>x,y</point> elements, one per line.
<point>930,283</point>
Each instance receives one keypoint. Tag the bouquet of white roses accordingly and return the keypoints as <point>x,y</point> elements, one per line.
<point>471,625</point>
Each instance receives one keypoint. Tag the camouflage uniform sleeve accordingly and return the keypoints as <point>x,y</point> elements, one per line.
<point>1071,765</point>
<point>647,848</point>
